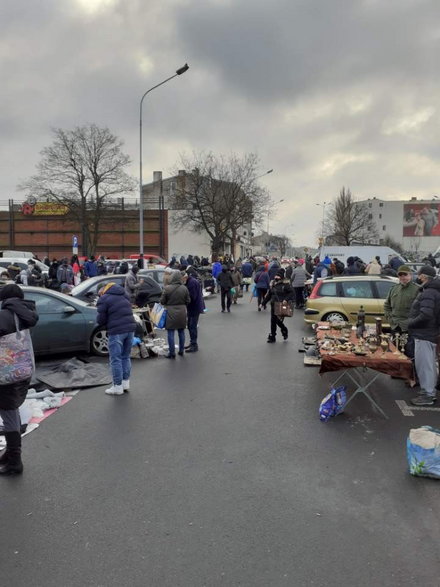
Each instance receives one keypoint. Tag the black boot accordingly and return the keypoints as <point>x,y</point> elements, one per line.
<point>13,466</point>
<point>271,338</point>
<point>285,334</point>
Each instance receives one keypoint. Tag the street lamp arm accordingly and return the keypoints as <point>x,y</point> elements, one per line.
<point>141,199</point>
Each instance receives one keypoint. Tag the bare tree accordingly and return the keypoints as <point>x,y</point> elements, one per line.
<point>282,242</point>
<point>218,196</point>
<point>84,169</point>
<point>389,241</point>
<point>349,221</point>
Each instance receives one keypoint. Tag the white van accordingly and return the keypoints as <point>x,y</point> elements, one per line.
<point>10,254</point>
<point>367,253</point>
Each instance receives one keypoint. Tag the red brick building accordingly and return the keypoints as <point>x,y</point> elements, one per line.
<point>47,229</point>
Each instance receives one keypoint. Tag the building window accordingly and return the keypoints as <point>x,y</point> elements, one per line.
<point>370,216</point>
<point>381,205</point>
<point>380,215</point>
<point>370,205</point>
<point>384,227</point>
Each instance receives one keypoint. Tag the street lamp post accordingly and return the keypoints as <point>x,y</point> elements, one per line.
<point>323,205</point>
<point>141,195</point>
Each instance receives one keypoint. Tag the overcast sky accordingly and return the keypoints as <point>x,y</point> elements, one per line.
<point>329,93</point>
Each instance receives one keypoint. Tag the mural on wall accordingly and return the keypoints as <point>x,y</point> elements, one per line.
<point>421,219</point>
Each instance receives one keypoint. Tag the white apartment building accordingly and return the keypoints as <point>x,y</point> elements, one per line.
<point>414,223</point>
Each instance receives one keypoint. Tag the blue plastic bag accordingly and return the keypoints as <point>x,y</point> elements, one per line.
<point>163,319</point>
<point>423,452</point>
<point>333,403</point>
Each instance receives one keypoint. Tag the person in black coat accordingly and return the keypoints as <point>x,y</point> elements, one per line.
<point>116,315</point>
<point>280,290</point>
<point>13,394</point>
<point>195,307</point>
<point>424,328</point>
<point>226,283</point>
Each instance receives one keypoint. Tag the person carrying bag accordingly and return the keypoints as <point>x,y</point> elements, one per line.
<point>281,296</point>
<point>16,368</point>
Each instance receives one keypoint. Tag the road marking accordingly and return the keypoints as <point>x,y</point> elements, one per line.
<point>408,410</point>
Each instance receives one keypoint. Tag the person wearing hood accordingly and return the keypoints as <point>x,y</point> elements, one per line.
<point>175,298</point>
<point>13,394</point>
<point>424,328</point>
<point>273,268</point>
<point>116,316</point>
<point>280,290</point>
<point>132,284</point>
<point>195,307</point>
<point>262,284</point>
<point>226,283</point>
<point>321,270</point>
<point>216,270</point>
<point>352,267</point>
<point>373,268</point>
<point>236,278</point>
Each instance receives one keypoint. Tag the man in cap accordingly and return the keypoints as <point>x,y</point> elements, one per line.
<point>399,301</point>
<point>424,327</point>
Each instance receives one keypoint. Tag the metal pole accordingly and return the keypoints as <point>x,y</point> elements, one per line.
<point>141,195</point>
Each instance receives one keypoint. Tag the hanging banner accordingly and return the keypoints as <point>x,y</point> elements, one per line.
<point>50,209</point>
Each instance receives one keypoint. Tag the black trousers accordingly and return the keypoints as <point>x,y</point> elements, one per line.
<point>226,295</point>
<point>299,296</point>
<point>276,321</point>
<point>261,295</point>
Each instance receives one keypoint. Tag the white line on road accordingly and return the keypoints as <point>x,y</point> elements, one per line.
<point>408,410</point>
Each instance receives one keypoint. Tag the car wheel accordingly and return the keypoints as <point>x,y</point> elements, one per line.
<point>334,317</point>
<point>99,343</point>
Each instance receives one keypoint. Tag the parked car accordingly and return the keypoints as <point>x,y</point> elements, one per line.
<point>88,290</point>
<point>22,263</point>
<point>339,297</point>
<point>66,324</point>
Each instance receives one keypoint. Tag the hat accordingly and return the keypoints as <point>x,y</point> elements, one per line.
<point>11,291</point>
<point>427,270</point>
<point>403,269</point>
<point>280,273</point>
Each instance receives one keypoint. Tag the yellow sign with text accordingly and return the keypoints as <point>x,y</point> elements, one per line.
<point>50,209</point>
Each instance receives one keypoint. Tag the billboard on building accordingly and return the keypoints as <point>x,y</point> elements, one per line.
<point>421,219</point>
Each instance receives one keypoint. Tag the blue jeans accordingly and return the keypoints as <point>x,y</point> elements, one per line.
<point>181,332</point>
<point>192,328</point>
<point>119,346</point>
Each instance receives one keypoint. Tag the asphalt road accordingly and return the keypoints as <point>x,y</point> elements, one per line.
<point>215,470</point>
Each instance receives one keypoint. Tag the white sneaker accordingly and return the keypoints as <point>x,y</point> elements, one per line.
<point>114,390</point>
<point>126,384</point>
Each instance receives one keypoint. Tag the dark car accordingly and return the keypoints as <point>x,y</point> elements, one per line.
<point>88,290</point>
<point>67,325</point>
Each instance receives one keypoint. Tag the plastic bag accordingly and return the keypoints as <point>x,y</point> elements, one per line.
<point>423,452</point>
<point>333,403</point>
<point>158,315</point>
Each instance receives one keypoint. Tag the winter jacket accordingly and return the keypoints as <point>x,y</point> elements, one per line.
<point>114,311</point>
<point>262,280</point>
<point>299,276</point>
<point>424,317</point>
<point>236,278</point>
<point>352,269</point>
<point>196,306</point>
<point>14,394</point>
<point>398,304</point>
<point>175,298</point>
<point>90,269</point>
<point>247,269</point>
<point>373,268</point>
<point>216,269</point>
<point>131,286</point>
<point>225,279</point>
<point>279,291</point>
<point>320,272</point>
<point>65,274</point>
<point>273,270</point>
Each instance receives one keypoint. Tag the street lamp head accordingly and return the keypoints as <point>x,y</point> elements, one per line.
<point>182,69</point>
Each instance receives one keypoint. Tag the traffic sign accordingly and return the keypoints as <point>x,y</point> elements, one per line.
<point>74,241</point>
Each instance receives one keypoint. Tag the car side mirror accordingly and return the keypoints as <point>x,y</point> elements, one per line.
<point>69,310</point>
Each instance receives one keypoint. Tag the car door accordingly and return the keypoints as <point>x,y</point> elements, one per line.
<point>357,293</point>
<point>61,326</point>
